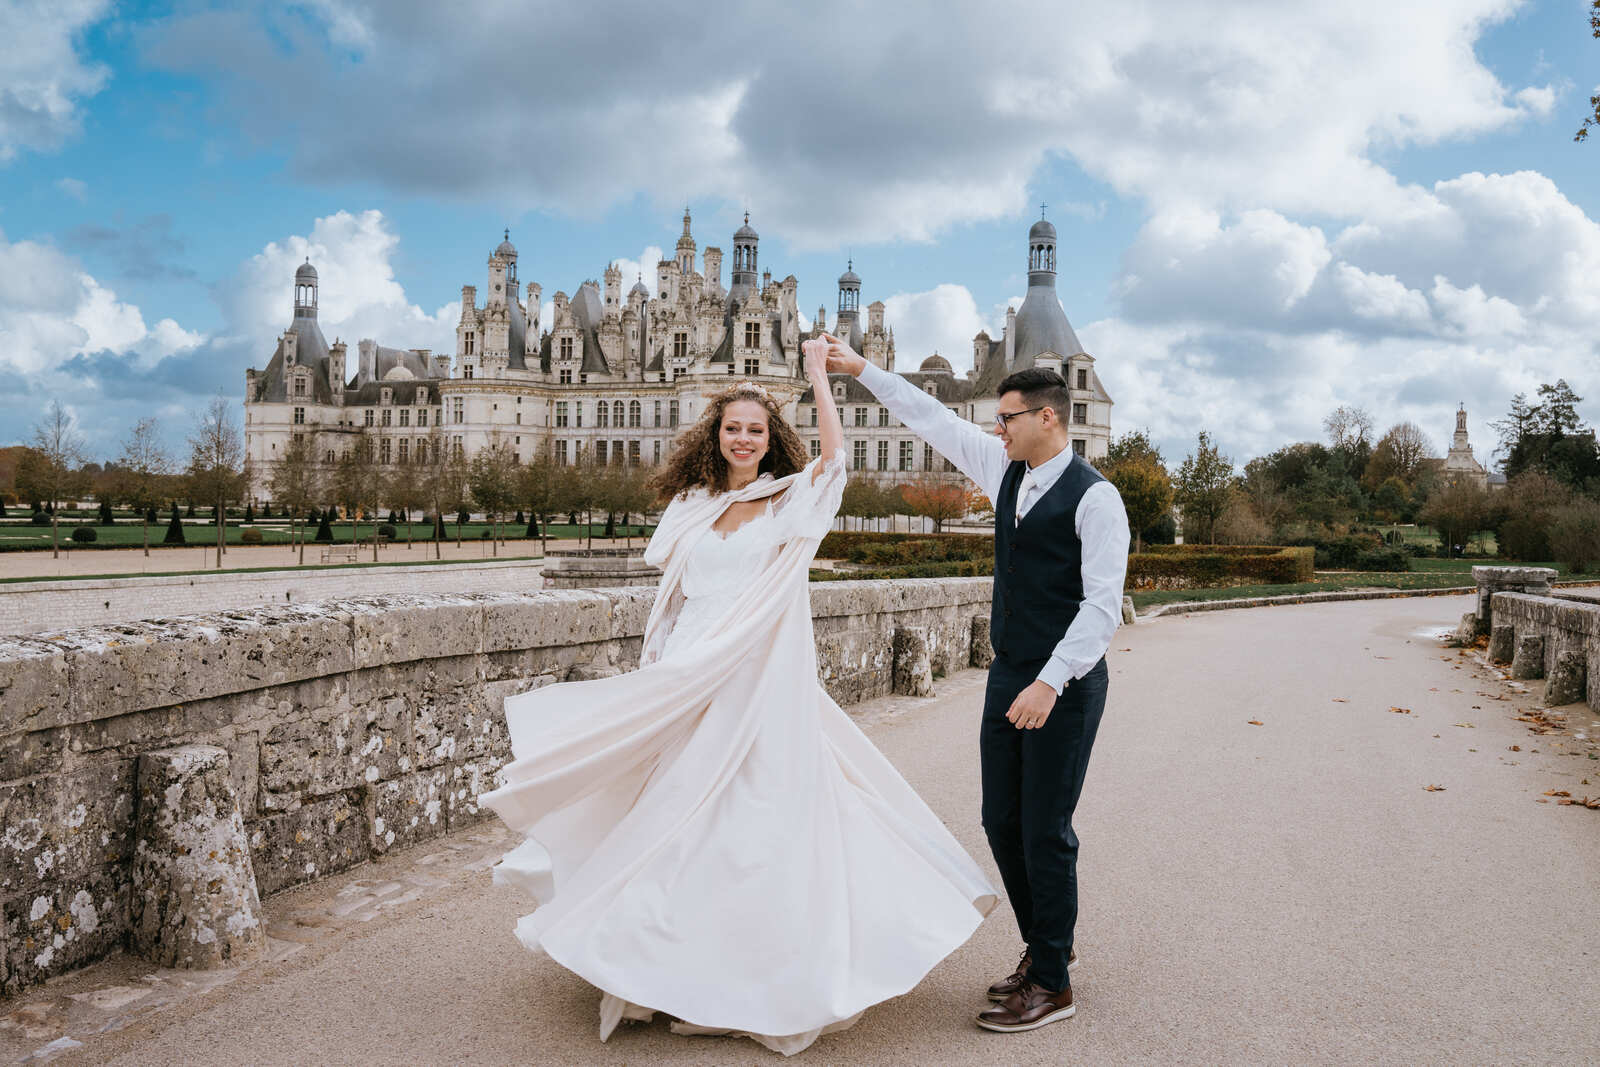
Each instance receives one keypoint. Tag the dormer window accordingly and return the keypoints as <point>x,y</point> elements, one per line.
<point>752,335</point>
<point>838,391</point>
<point>299,385</point>
<point>388,396</point>
<point>566,348</point>
<point>1083,379</point>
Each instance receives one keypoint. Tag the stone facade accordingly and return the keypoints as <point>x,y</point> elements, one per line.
<point>351,727</point>
<point>614,378</point>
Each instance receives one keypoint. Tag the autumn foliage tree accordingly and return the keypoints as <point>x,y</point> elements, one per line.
<point>940,498</point>
<point>1203,489</point>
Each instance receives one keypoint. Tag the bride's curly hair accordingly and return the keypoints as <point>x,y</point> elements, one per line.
<point>697,461</point>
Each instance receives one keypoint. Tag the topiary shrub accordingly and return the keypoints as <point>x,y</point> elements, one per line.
<point>518,518</point>
<point>250,536</point>
<point>106,518</point>
<point>174,530</point>
<point>462,518</point>
<point>39,518</point>
<point>324,527</point>
<point>84,535</point>
<point>249,513</point>
<point>387,531</point>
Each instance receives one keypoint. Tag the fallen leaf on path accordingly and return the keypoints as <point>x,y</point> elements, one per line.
<point>1399,711</point>
<point>1592,803</point>
<point>1124,650</point>
<point>1434,788</point>
<point>1381,657</point>
<point>1516,748</point>
<point>1565,803</point>
<point>1556,793</point>
<point>1540,800</point>
<point>1466,726</point>
<point>1253,722</point>
<point>1433,689</point>
<point>1341,700</point>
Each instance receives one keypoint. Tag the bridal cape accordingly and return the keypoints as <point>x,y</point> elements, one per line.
<point>710,836</point>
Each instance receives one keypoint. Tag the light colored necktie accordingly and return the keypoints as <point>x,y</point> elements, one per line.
<point>1023,492</point>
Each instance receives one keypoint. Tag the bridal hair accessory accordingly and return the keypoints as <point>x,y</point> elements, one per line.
<point>755,389</point>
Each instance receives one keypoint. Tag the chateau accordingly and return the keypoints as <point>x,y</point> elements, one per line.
<point>612,377</point>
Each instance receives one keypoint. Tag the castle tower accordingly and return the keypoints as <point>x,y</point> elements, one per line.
<point>686,247</point>
<point>1041,325</point>
<point>613,290</point>
<point>713,269</point>
<point>745,271</point>
<point>305,291</point>
<point>1460,464</point>
<point>848,325</point>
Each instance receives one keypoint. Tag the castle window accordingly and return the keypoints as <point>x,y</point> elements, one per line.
<point>752,335</point>
<point>405,416</point>
<point>602,414</point>
<point>883,417</point>
<point>370,417</point>
<point>466,343</point>
<point>905,455</point>
<point>405,450</point>
<point>299,387</point>
<point>298,439</point>
<point>561,412</point>
<point>655,451</point>
<point>1083,379</point>
<point>1080,446</point>
<point>561,453</point>
<point>1080,414</point>
<point>385,451</point>
<point>466,371</point>
<point>633,453</point>
<point>577,413</point>
<point>460,411</point>
<point>583,379</point>
<point>388,417</point>
<point>861,416</point>
<point>422,417</point>
<point>616,414</point>
<point>600,453</point>
<point>635,414</point>
<point>616,453</point>
<point>858,456</point>
<point>927,459</point>
<point>813,415</point>
<point>658,416</point>
<point>386,396</point>
<point>458,448</point>
<point>838,390</point>
<point>329,457</point>
<point>883,455</point>
<point>566,375</point>
<point>816,448</point>
<point>299,416</point>
<point>680,346</point>
<point>672,414</point>
<point>566,348</point>
<point>421,398</point>
<point>519,419</point>
<point>752,367</point>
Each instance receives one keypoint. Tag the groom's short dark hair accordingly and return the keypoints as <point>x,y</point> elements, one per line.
<point>1039,387</point>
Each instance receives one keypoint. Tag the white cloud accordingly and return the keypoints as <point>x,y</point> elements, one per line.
<point>643,270</point>
<point>940,320</point>
<point>73,187</point>
<point>42,77</point>
<point>882,134</point>
<point>358,295</point>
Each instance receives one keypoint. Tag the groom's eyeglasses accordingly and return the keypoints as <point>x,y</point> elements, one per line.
<point>1003,418</point>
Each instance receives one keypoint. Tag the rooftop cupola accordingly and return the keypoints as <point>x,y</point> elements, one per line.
<point>1042,253</point>
<point>508,252</point>
<point>305,291</point>
<point>745,271</point>
<point>849,288</point>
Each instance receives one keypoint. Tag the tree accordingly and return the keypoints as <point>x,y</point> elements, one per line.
<point>1458,509</point>
<point>1132,446</point>
<point>1146,493</point>
<point>404,492</point>
<point>940,497</point>
<point>1348,428</point>
<point>863,499</point>
<point>142,472</point>
<point>1575,534</point>
<point>1549,436</point>
<point>538,487</point>
<point>1594,101</point>
<point>492,481</point>
<point>1398,454</point>
<point>60,453</point>
<point>634,496</point>
<point>217,471</point>
<point>358,485</point>
<point>1202,489</point>
<point>296,482</point>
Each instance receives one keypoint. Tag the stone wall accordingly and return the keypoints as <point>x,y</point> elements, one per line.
<point>352,727</point>
<point>33,607</point>
<point>1551,638</point>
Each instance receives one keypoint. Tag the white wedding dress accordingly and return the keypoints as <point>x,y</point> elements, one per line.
<point>711,836</point>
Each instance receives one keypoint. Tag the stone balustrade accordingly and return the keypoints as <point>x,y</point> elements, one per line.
<point>1551,638</point>
<point>1491,580</point>
<point>350,728</point>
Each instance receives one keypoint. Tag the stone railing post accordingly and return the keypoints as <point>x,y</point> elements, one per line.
<point>982,654</point>
<point>1492,580</point>
<point>913,667</point>
<point>194,891</point>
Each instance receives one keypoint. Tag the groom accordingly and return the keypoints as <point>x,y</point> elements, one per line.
<point>1060,556</point>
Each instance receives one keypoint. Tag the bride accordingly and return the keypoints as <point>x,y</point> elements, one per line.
<point>710,836</point>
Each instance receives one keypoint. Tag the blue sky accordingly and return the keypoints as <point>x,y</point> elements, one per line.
<point>1263,212</point>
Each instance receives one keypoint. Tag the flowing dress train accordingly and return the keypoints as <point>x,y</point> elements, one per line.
<point>710,836</point>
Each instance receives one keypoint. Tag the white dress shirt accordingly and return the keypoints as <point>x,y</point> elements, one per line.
<point>1101,522</point>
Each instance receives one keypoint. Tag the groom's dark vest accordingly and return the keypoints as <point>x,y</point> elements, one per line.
<point>1038,564</point>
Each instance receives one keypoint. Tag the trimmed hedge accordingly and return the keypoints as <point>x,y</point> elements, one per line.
<point>982,568</point>
<point>1202,566</point>
<point>839,544</point>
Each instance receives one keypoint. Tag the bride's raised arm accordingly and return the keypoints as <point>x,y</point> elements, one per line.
<point>830,429</point>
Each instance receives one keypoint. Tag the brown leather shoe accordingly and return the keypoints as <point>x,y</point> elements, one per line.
<point>1029,1008</point>
<point>1009,985</point>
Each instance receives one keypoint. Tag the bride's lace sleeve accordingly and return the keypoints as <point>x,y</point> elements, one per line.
<point>809,506</point>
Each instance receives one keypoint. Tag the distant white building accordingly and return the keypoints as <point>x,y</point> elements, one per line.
<point>613,378</point>
<point>1459,464</point>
